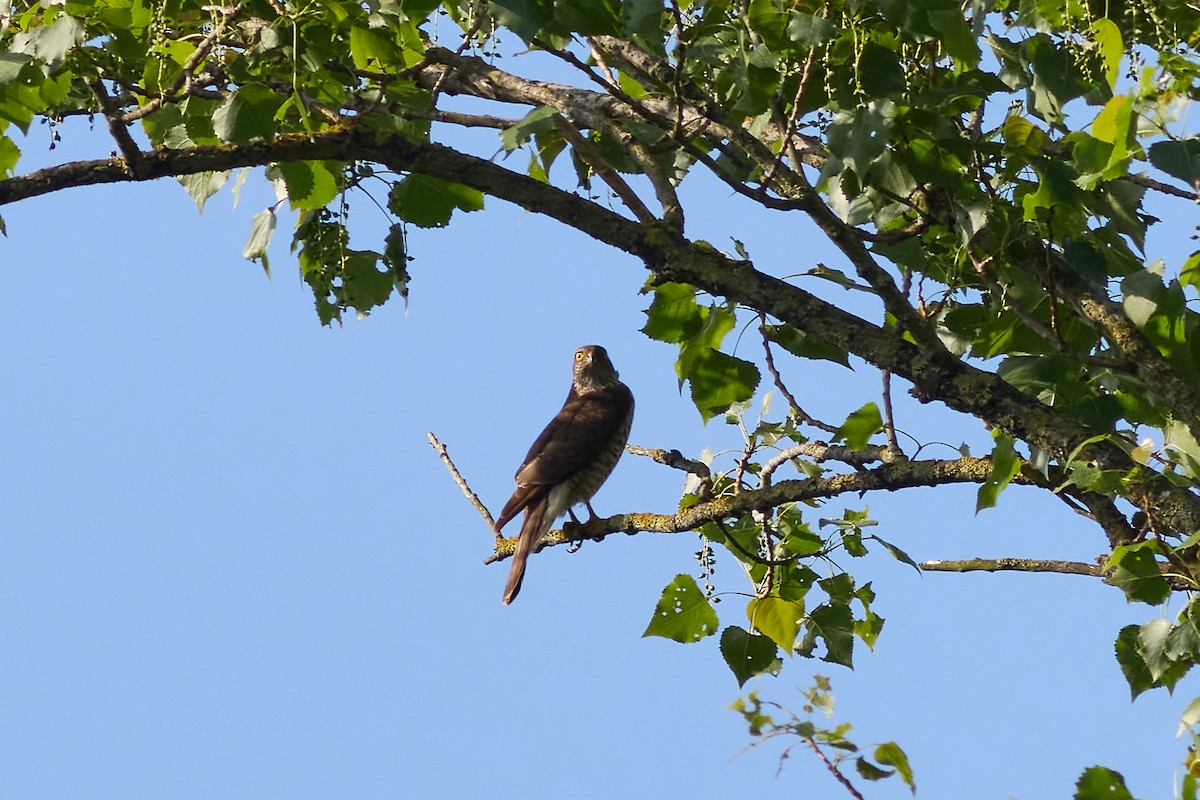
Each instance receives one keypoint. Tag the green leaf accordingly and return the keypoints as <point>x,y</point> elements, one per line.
<point>1021,133</point>
<point>1107,35</point>
<point>539,120</point>
<point>643,20</point>
<point>674,315</point>
<point>11,65</point>
<point>364,284</point>
<point>1188,786</point>
<point>897,553</point>
<point>262,230</point>
<point>9,155</point>
<point>1178,158</point>
<point>880,71</point>
<point>311,184</point>
<point>1005,466</point>
<point>860,137</point>
<point>429,202</point>
<point>954,33</point>
<point>525,18</point>
<point>1190,717</point>
<point>747,654</point>
<point>1133,666</point>
<point>800,344</point>
<point>839,587</point>
<point>50,43</point>
<point>777,619</point>
<point>203,185</point>
<point>808,30</point>
<point>1101,783</point>
<point>1136,571</point>
<point>717,380</point>
<point>1189,274</point>
<point>1141,293</point>
<point>246,114</point>
<point>371,50</point>
<point>890,754</point>
<point>871,772</point>
<point>835,625</point>
<point>395,255</point>
<point>1057,75</point>
<point>860,426</point>
<point>683,612</point>
<point>1153,645</point>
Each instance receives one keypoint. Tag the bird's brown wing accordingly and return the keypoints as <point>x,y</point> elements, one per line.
<point>582,429</point>
<point>578,433</point>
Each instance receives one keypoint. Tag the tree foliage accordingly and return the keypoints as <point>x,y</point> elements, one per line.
<point>984,170</point>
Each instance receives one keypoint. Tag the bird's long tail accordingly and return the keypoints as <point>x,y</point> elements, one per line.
<point>533,527</point>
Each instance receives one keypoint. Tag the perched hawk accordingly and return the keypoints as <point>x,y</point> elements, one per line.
<point>571,458</point>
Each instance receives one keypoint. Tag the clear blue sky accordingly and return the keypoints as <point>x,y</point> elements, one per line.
<point>231,566</point>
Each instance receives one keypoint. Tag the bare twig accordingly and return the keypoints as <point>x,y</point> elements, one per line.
<point>819,451</point>
<point>829,765</point>
<point>1159,186</point>
<point>592,157</point>
<point>459,118</point>
<point>1014,565</point>
<point>605,70</point>
<point>462,483</point>
<point>889,420</point>
<point>801,414</point>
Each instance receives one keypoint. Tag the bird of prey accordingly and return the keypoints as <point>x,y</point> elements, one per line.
<point>571,458</point>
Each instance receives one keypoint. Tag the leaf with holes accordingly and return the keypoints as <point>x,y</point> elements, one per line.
<point>683,612</point>
<point>748,654</point>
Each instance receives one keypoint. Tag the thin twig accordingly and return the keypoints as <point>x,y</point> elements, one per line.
<point>889,420</point>
<point>1014,565</point>
<point>458,118</point>
<point>187,72</point>
<point>788,149</point>
<point>605,70</point>
<point>801,414</point>
<point>462,483</point>
<point>829,765</point>
<point>756,558</point>
<point>590,154</point>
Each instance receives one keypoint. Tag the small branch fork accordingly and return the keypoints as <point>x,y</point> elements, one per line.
<point>472,498</point>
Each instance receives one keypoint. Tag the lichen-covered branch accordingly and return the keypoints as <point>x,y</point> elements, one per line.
<point>1014,565</point>
<point>670,256</point>
<point>888,477</point>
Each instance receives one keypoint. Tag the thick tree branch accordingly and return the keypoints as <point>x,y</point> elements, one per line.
<point>1111,320</point>
<point>934,375</point>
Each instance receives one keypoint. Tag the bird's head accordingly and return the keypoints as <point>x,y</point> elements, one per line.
<point>593,370</point>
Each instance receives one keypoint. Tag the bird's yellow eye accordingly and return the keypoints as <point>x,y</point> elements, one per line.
<point>579,356</point>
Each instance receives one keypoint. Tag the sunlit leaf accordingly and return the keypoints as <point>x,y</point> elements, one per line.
<point>1101,783</point>
<point>860,426</point>
<point>777,619</point>
<point>683,612</point>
